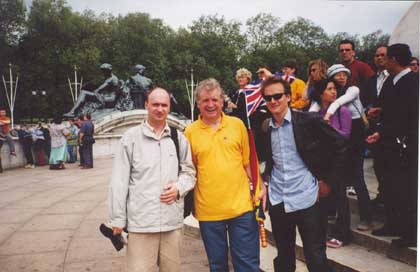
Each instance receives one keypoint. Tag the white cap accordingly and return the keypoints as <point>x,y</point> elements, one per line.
<point>337,68</point>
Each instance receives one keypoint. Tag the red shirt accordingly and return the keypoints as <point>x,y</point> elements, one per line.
<point>360,72</point>
<point>5,127</point>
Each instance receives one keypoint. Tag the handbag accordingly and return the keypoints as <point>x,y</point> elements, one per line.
<point>365,121</point>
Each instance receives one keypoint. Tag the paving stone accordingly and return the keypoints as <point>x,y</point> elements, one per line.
<point>16,215</point>
<point>68,207</point>
<point>88,249</point>
<point>89,196</point>
<point>36,242</point>
<point>6,230</point>
<point>39,200</point>
<point>100,212</point>
<point>90,229</point>
<point>109,265</point>
<point>42,262</point>
<point>53,222</point>
<point>7,197</point>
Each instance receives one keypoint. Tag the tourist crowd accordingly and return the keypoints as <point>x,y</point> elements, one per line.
<point>52,144</point>
<point>312,137</point>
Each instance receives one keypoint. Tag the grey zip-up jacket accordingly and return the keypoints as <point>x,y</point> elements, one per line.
<point>144,163</point>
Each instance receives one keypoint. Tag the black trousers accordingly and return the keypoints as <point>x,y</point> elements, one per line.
<point>27,150</point>
<point>82,161</point>
<point>379,168</point>
<point>87,155</point>
<point>356,172</point>
<point>400,191</point>
<point>339,202</point>
<point>310,225</point>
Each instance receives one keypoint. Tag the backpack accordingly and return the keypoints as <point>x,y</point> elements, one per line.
<point>189,198</point>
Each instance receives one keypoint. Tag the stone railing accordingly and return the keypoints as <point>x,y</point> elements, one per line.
<point>108,132</point>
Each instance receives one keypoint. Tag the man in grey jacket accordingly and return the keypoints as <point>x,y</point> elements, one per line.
<point>147,188</point>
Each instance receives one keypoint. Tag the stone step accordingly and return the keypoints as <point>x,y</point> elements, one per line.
<point>381,245</point>
<point>375,243</point>
<point>352,257</point>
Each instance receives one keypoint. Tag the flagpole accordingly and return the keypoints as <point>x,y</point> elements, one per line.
<point>259,213</point>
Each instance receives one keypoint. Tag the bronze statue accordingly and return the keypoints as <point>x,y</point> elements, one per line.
<point>105,96</point>
<point>139,85</point>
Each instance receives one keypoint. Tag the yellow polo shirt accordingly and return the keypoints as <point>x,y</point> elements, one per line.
<point>222,190</point>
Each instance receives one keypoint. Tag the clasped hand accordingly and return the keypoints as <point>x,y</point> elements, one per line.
<point>170,194</point>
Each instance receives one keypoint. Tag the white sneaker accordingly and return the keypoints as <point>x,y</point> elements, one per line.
<point>27,166</point>
<point>32,166</point>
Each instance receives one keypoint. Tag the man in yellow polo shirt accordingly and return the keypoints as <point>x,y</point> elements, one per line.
<point>222,197</point>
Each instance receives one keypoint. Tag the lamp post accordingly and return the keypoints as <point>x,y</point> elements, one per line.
<point>39,93</point>
<point>190,93</point>
<point>11,93</point>
<point>77,86</point>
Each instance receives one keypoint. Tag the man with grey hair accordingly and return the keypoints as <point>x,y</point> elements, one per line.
<point>139,85</point>
<point>222,199</point>
<point>150,178</point>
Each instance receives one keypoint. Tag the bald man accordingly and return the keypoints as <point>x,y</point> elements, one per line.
<point>148,182</point>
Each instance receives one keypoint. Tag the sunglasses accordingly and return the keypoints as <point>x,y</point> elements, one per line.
<point>345,50</point>
<point>276,97</point>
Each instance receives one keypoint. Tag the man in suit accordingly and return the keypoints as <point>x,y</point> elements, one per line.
<point>305,157</point>
<point>374,88</point>
<point>398,138</point>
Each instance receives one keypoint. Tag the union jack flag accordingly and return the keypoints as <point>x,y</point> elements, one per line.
<point>253,98</point>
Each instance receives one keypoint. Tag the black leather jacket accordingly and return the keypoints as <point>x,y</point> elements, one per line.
<point>320,146</point>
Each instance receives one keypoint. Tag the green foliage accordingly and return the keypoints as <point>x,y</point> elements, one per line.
<point>48,41</point>
<point>12,19</point>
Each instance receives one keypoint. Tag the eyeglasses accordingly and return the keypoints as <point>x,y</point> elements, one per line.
<point>345,50</point>
<point>414,64</point>
<point>276,97</point>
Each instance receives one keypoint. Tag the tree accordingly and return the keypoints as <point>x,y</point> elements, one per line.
<point>12,19</point>
<point>369,43</point>
<point>12,22</point>
<point>261,31</point>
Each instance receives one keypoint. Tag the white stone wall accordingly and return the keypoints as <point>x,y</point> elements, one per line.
<point>9,161</point>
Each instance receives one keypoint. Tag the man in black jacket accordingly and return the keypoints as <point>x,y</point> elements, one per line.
<point>373,90</point>
<point>305,158</point>
<point>398,138</point>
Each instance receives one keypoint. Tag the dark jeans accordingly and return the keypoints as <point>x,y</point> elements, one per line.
<point>71,149</point>
<point>341,229</point>
<point>87,155</point>
<point>243,241</point>
<point>10,143</point>
<point>27,149</point>
<point>356,149</point>
<point>39,150</point>
<point>312,232</point>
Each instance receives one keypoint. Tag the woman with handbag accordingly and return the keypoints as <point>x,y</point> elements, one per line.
<point>336,204</point>
<point>58,154</point>
<point>349,96</point>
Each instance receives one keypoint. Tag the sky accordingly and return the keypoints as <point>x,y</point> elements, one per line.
<point>355,17</point>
